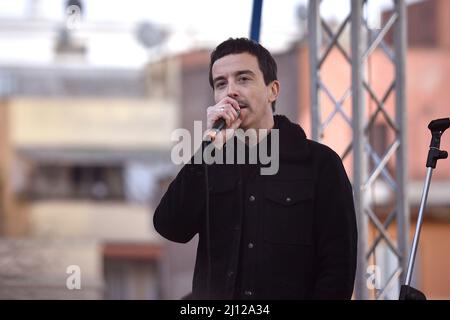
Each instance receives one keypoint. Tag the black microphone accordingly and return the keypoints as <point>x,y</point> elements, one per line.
<point>220,123</point>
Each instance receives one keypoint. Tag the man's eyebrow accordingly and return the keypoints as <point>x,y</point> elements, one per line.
<point>240,72</point>
<point>237,73</point>
<point>218,78</point>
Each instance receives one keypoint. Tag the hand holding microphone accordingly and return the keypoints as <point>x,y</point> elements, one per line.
<point>220,123</point>
<point>224,115</point>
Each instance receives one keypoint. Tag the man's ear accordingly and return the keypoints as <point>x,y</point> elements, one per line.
<point>274,90</point>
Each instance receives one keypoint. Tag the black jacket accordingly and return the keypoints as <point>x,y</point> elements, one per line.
<point>305,235</point>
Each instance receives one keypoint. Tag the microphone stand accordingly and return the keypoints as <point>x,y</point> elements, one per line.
<point>437,128</point>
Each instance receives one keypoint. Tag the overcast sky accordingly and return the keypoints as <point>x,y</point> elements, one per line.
<point>206,21</point>
<point>202,16</point>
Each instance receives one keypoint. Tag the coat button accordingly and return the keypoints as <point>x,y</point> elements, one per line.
<point>248,293</point>
<point>230,274</point>
<point>288,199</point>
<point>250,245</point>
<point>252,198</point>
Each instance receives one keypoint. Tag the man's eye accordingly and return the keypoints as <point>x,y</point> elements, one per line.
<point>220,84</point>
<point>244,79</point>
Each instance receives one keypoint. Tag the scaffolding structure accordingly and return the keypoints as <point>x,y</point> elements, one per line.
<point>364,41</point>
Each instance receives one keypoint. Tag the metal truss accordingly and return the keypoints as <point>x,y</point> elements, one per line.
<point>364,41</point>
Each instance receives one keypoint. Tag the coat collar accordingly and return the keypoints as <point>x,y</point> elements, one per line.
<point>293,143</point>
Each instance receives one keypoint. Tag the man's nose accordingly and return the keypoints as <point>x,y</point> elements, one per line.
<point>232,90</point>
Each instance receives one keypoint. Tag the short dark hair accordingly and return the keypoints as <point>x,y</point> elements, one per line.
<point>266,62</point>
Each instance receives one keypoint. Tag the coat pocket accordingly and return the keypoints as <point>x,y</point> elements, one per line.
<point>287,213</point>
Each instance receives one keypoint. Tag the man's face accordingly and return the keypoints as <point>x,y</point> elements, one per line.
<point>239,77</point>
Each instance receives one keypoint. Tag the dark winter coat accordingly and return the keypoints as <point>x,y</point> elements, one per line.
<point>302,224</point>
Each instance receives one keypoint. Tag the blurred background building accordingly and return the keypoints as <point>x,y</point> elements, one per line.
<point>83,146</point>
<point>87,109</point>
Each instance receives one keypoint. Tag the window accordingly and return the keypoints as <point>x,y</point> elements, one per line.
<point>95,182</point>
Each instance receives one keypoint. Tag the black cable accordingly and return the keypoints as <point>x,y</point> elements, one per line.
<point>217,126</point>
<point>207,226</point>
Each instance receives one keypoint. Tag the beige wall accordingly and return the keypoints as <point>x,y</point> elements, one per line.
<point>111,221</point>
<point>115,123</point>
<point>9,212</point>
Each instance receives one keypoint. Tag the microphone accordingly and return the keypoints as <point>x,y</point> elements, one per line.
<point>220,124</point>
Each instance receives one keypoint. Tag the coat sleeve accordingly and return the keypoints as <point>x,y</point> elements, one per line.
<point>335,231</point>
<point>178,215</point>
